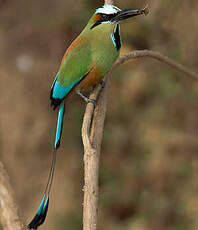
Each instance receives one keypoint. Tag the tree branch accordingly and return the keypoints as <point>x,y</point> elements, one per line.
<point>156,55</point>
<point>9,216</point>
<point>92,131</point>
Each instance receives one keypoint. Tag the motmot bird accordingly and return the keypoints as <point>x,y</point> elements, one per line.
<point>85,63</point>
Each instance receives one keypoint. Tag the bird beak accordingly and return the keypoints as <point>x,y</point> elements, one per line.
<point>129,13</point>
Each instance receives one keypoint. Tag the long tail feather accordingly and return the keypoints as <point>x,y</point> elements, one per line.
<point>41,214</point>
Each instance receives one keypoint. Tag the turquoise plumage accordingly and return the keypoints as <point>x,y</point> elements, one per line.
<point>59,124</point>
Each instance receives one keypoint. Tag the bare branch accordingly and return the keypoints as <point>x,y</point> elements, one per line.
<point>92,131</point>
<point>156,55</point>
<point>9,216</point>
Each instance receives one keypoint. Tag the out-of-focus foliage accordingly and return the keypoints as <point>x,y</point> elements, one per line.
<point>149,169</point>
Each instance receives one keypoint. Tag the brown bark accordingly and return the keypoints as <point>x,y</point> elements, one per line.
<point>9,216</point>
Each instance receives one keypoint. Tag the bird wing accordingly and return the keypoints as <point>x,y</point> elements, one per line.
<point>75,66</point>
<point>76,63</point>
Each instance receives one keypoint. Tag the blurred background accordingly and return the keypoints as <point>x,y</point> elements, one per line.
<point>149,161</point>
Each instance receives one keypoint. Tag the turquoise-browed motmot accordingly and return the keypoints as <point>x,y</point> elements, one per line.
<point>90,56</point>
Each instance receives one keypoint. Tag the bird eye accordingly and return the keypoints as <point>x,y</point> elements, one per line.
<point>107,17</point>
<point>100,18</point>
<point>103,16</point>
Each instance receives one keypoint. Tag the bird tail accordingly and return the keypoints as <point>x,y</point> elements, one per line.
<point>41,213</point>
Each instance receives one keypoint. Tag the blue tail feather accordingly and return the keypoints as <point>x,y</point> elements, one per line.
<point>40,216</point>
<point>59,124</point>
<point>41,206</point>
<point>45,207</point>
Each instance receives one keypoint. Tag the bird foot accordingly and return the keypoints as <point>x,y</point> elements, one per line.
<point>86,99</point>
<point>102,82</point>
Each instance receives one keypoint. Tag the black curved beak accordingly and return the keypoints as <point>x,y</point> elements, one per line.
<point>129,13</point>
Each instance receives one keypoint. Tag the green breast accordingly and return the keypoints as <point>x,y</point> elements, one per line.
<point>104,50</point>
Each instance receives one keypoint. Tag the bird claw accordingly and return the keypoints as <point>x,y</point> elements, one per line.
<point>86,99</point>
<point>102,82</point>
<point>92,101</point>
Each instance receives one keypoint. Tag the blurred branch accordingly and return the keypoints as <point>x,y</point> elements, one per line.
<point>9,216</point>
<point>156,55</point>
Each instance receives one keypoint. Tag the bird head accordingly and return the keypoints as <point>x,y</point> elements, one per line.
<point>109,14</point>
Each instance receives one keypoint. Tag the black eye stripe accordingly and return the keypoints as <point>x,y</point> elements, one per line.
<point>104,18</point>
<point>107,16</point>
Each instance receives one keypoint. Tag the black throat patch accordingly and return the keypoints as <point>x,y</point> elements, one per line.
<point>116,37</point>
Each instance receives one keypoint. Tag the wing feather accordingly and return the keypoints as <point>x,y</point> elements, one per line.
<point>75,66</point>
<point>76,63</point>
